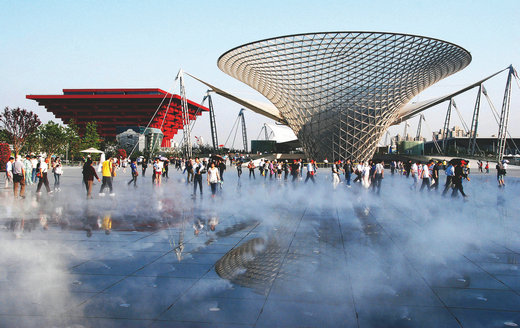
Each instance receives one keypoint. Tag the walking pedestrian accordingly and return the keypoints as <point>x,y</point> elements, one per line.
<point>251,167</point>
<point>89,172</point>
<point>347,169</point>
<point>198,170</point>
<point>42,174</point>
<point>134,172</point>
<point>239,168</point>
<point>335,174</point>
<point>379,175</point>
<point>157,171</point>
<point>450,172</point>
<point>311,171</point>
<point>144,166</point>
<point>58,171</point>
<point>425,176</point>
<point>108,172</point>
<point>18,177</point>
<point>9,172</point>
<point>28,170</point>
<point>221,168</point>
<point>35,162</point>
<point>213,178</point>
<point>501,172</point>
<point>457,180</point>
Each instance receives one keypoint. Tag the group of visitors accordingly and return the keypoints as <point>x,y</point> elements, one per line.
<point>21,173</point>
<point>370,174</point>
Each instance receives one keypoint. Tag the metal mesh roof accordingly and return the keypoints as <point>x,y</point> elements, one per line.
<point>340,91</point>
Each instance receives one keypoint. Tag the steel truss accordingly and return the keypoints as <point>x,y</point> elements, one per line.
<point>340,91</point>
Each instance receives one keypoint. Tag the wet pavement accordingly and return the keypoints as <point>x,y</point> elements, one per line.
<point>262,253</point>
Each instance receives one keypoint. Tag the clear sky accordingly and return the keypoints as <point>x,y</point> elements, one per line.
<point>46,46</point>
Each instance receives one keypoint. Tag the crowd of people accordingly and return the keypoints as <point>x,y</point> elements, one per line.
<point>370,174</point>
<point>32,170</point>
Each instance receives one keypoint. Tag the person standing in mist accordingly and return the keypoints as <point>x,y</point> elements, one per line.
<point>19,177</point>
<point>107,170</point>
<point>89,172</point>
<point>135,173</point>
<point>251,167</point>
<point>44,166</point>
<point>457,181</point>
<point>379,175</point>
<point>198,170</point>
<point>213,178</point>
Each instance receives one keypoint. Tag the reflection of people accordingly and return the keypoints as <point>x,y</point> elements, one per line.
<point>107,223</point>
<point>88,177</point>
<point>213,221</point>
<point>198,225</point>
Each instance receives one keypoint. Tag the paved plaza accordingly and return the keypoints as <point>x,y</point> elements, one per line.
<point>262,253</point>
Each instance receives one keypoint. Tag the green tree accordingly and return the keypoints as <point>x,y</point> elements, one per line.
<point>19,124</point>
<point>91,137</point>
<point>52,138</point>
<point>73,139</point>
<point>32,144</point>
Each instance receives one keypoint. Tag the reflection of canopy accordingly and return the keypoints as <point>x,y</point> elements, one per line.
<point>92,150</point>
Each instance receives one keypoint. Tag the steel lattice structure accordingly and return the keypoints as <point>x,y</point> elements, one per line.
<point>340,91</point>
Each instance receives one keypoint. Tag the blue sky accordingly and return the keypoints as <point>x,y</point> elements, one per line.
<point>46,46</point>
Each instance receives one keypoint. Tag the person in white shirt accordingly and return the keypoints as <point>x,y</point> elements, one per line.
<point>359,172</point>
<point>9,172</point>
<point>43,176</point>
<point>425,176</point>
<point>18,170</point>
<point>365,180</point>
<point>213,178</point>
<point>198,170</point>
<point>34,162</point>
<point>157,171</point>
<point>414,171</point>
<point>311,171</point>
<point>335,174</point>
<point>379,174</point>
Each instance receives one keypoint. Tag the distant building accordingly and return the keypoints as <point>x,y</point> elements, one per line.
<point>454,132</point>
<point>117,109</point>
<point>147,140</point>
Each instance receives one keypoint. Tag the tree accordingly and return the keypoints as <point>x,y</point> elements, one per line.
<point>32,144</point>
<point>73,138</point>
<point>52,138</point>
<point>91,137</point>
<point>19,124</point>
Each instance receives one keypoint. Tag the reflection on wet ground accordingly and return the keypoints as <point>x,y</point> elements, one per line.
<point>269,253</point>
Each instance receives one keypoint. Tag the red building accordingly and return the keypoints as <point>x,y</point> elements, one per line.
<point>116,108</point>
